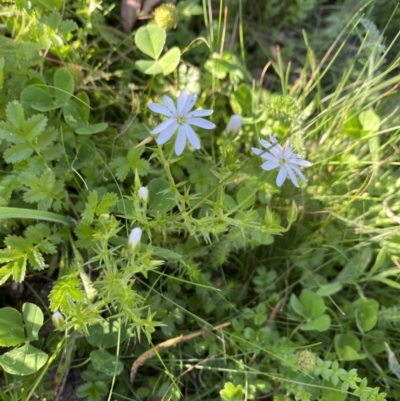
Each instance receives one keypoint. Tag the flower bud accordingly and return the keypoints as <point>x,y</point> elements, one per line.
<point>306,360</point>
<point>134,238</point>
<point>58,320</point>
<point>144,194</point>
<point>234,124</point>
<point>166,16</point>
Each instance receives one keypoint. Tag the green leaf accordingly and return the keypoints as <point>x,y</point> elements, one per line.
<point>23,361</point>
<point>347,346</point>
<point>296,305</point>
<point>83,102</point>
<point>18,153</point>
<point>106,363</point>
<point>320,323</point>
<point>170,60</point>
<point>73,114</point>
<point>353,127</point>
<point>230,392</point>
<point>369,121</point>
<point>91,129</point>
<point>19,269</point>
<point>149,67</point>
<point>64,85</point>
<point>38,99</point>
<point>11,328</point>
<point>329,289</point>
<point>52,5</point>
<point>66,289</point>
<point>108,334</point>
<point>33,319</point>
<point>15,114</point>
<point>366,314</point>
<point>245,198</point>
<point>313,304</point>
<point>355,266</point>
<point>150,39</point>
<point>161,198</point>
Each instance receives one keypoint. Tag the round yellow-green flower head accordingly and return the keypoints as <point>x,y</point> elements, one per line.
<point>306,360</point>
<point>166,16</point>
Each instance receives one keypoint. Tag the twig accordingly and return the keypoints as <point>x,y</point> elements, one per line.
<point>166,344</point>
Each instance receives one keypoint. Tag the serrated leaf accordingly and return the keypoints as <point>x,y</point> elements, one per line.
<point>65,290</point>
<point>34,126</point>
<point>108,201</point>
<point>36,259</point>
<point>150,39</point>
<point>23,361</point>
<point>33,320</point>
<point>15,114</point>
<point>67,26</point>
<point>91,129</point>
<point>18,243</point>
<point>170,60</point>
<point>90,208</point>
<point>19,269</point>
<point>5,273</point>
<point>18,153</point>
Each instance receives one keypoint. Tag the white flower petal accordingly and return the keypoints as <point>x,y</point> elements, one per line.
<point>273,139</point>
<point>166,135</point>
<point>200,113</point>
<point>164,125</point>
<point>160,109</point>
<point>200,122</point>
<point>266,144</point>
<point>257,151</point>
<point>181,102</point>
<point>297,170</point>
<point>180,142</point>
<point>281,177</point>
<point>169,104</point>
<point>190,102</point>
<point>269,156</point>
<point>193,138</point>
<point>270,165</point>
<point>300,162</point>
<point>292,176</point>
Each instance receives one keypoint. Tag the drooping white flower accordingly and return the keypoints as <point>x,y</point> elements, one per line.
<point>234,124</point>
<point>134,238</point>
<point>282,158</point>
<point>143,194</point>
<point>58,320</point>
<point>180,118</point>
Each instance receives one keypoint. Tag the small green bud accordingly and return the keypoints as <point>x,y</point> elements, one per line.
<point>306,360</point>
<point>293,212</point>
<point>166,16</point>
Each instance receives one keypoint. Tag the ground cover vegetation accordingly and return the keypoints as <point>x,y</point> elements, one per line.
<point>199,200</point>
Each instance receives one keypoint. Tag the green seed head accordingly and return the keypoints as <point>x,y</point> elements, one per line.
<point>306,360</point>
<point>166,16</point>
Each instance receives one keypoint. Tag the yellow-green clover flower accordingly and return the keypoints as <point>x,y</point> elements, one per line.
<point>180,118</point>
<point>282,158</point>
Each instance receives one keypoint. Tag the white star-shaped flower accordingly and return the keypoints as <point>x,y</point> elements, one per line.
<point>282,158</point>
<point>180,118</point>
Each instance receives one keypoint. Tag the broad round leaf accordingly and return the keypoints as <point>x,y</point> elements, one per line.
<point>64,85</point>
<point>11,328</point>
<point>33,319</point>
<point>106,362</point>
<point>148,67</point>
<point>23,361</point>
<point>170,60</point>
<point>91,129</point>
<point>38,99</point>
<point>150,39</point>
